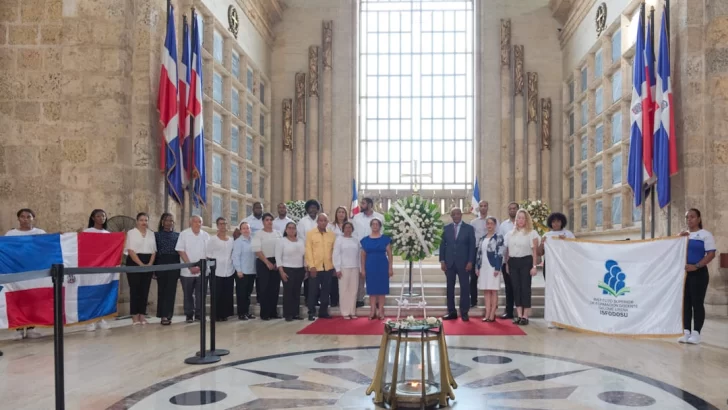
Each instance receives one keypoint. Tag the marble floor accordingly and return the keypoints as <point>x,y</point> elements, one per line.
<point>270,367</point>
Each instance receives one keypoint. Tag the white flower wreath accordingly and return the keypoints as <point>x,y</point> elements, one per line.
<point>539,212</point>
<point>296,210</point>
<point>415,227</point>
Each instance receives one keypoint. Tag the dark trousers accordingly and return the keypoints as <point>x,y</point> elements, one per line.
<point>696,285</point>
<point>508,291</point>
<point>305,291</point>
<point>292,292</point>
<point>269,286</point>
<point>166,286</point>
<point>473,289</point>
<point>192,298</point>
<point>453,274</point>
<point>224,297</point>
<point>520,270</point>
<point>139,284</point>
<point>321,283</point>
<point>243,289</point>
<point>334,293</point>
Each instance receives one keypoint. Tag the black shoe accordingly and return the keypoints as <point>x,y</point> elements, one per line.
<point>189,319</point>
<point>472,305</point>
<point>1,352</point>
<point>450,316</point>
<point>311,318</point>
<point>289,319</point>
<point>297,318</point>
<point>251,316</point>
<point>264,318</point>
<point>506,316</point>
<point>523,321</point>
<point>242,317</point>
<point>516,320</point>
<point>334,305</point>
<point>276,317</point>
<point>197,318</point>
<point>359,304</point>
<point>465,317</point>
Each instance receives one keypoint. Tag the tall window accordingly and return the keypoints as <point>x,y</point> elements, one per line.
<point>598,213</point>
<point>234,212</point>
<point>235,66</point>
<point>617,210</point>
<point>216,206</point>
<point>216,169</point>
<point>234,177</point>
<point>616,128</point>
<point>217,128</point>
<point>416,93</point>
<point>598,176</point>
<point>218,45</point>
<point>599,138</point>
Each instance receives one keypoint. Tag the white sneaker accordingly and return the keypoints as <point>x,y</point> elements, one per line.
<point>104,325</point>
<point>694,338</point>
<point>91,327</point>
<point>18,335</point>
<point>685,337</point>
<point>33,334</point>
<point>552,326</point>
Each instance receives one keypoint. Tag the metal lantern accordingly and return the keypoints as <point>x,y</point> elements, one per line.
<point>413,368</point>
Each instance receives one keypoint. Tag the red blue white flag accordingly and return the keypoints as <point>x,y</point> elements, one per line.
<point>184,91</point>
<point>194,106</point>
<point>30,303</point>
<point>648,106</point>
<point>637,175</point>
<point>354,199</point>
<point>665,164</point>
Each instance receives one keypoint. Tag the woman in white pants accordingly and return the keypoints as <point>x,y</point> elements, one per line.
<point>346,262</point>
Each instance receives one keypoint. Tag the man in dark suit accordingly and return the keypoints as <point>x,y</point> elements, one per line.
<point>457,259</point>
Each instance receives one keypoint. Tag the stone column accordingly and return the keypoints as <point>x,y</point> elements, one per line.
<point>533,166</point>
<point>287,149</point>
<point>327,107</point>
<point>546,150</point>
<point>506,114</point>
<point>313,146</point>
<point>300,144</point>
<point>519,118</point>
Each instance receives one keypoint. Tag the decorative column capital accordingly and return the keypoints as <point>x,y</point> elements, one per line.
<point>505,42</point>
<point>518,72</point>
<point>300,98</point>
<point>546,124</point>
<point>328,28</point>
<point>532,97</point>
<point>313,82</point>
<point>287,124</point>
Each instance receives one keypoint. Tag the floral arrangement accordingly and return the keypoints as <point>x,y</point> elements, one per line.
<point>410,321</point>
<point>539,213</point>
<point>296,210</point>
<point>415,227</point>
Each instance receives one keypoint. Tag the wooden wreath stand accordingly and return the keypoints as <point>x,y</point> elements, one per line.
<point>413,368</point>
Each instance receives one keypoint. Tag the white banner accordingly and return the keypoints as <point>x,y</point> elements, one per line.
<point>626,288</point>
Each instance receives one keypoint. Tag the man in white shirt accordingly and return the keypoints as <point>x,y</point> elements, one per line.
<point>26,217</point>
<point>191,246</point>
<point>279,224</point>
<point>480,230</point>
<point>362,229</point>
<point>505,227</point>
<point>256,219</point>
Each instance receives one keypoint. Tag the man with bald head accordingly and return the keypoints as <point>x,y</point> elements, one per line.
<point>320,263</point>
<point>457,258</point>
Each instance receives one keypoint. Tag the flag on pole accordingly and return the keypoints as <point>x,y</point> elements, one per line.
<point>665,164</point>
<point>354,199</point>
<point>648,106</point>
<point>475,200</point>
<point>168,107</point>
<point>637,176</point>
<point>184,91</point>
<point>194,106</point>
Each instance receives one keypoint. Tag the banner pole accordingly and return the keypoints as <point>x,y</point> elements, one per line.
<point>164,172</point>
<point>667,28</point>
<point>642,192</point>
<point>57,273</point>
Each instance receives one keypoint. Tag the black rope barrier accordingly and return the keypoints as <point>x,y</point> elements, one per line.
<point>213,313</point>
<point>20,277</point>
<point>127,269</point>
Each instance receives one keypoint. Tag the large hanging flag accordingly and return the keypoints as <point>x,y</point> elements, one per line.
<point>30,302</point>
<point>184,91</point>
<point>354,199</point>
<point>648,106</point>
<point>637,175</point>
<point>475,200</point>
<point>194,106</point>
<point>665,164</point>
<point>168,107</point>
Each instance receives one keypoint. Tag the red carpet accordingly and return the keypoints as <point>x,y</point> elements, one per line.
<point>365,327</point>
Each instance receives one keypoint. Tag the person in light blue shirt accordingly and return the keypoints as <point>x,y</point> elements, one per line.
<point>244,264</point>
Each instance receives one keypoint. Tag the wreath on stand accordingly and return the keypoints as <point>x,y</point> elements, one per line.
<point>415,227</point>
<point>539,212</point>
<point>296,210</point>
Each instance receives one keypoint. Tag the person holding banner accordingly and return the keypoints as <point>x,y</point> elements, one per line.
<point>521,255</point>
<point>489,261</point>
<point>557,225</point>
<point>701,250</point>
<point>97,224</point>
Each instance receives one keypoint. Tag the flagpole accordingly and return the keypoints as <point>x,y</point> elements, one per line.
<point>190,183</point>
<point>667,28</point>
<point>166,179</point>
<point>652,64</point>
<point>642,189</point>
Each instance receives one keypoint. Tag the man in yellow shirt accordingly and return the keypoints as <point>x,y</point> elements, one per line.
<point>320,263</point>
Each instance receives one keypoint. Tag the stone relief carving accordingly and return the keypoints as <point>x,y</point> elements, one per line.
<point>546,123</point>
<point>328,38</point>
<point>505,42</point>
<point>313,82</point>
<point>532,97</point>
<point>287,124</point>
<point>518,75</point>
<point>300,97</point>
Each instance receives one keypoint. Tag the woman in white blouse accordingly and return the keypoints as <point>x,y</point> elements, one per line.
<point>347,258</point>
<point>269,279</point>
<point>341,216</point>
<point>141,248</point>
<point>521,255</point>
<point>289,258</point>
<point>220,248</point>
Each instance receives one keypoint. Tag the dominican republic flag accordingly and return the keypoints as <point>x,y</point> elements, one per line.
<point>354,199</point>
<point>648,104</point>
<point>168,107</point>
<point>184,91</point>
<point>475,200</point>
<point>665,164</point>
<point>30,303</point>
<point>637,175</point>
<point>194,107</point>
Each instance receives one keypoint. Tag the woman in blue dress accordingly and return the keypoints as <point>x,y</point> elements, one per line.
<point>376,262</point>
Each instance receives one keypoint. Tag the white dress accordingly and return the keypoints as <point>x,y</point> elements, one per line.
<point>486,280</point>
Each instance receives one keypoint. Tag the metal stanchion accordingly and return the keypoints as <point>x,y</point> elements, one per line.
<point>57,273</point>
<point>213,313</point>
<point>203,357</point>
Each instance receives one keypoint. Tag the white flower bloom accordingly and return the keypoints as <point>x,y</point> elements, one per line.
<point>431,320</point>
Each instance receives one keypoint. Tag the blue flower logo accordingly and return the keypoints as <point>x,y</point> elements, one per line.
<point>614,280</point>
